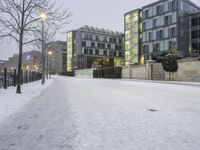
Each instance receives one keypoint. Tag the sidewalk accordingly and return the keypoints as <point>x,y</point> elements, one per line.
<point>10,102</point>
<point>166,82</point>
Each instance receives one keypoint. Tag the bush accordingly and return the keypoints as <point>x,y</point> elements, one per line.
<point>169,63</point>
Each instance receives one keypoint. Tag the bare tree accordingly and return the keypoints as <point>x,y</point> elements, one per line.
<point>20,19</point>
<point>44,38</point>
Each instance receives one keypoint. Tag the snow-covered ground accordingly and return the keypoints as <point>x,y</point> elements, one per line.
<point>98,114</point>
<point>128,115</point>
<point>10,102</point>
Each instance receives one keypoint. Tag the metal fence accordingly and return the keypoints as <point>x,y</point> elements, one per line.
<point>8,78</point>
<point>111,72</point>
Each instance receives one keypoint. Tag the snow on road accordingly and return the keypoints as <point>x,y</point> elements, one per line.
<point>10,102</point>
<point>92,114</point>
<point>125,115</point>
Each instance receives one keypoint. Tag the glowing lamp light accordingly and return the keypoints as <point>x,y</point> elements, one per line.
<point>28,57</point>
<point>50,52</point>
<point>43,16</point>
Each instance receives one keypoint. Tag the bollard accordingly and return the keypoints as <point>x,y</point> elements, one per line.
<point>14,77</point>
<point>26,76</point>
<point>29,76</point>
<point>5,78</point>
<point>21,77</point>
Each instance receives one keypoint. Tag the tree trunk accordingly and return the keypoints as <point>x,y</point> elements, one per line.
<point>19,73</point>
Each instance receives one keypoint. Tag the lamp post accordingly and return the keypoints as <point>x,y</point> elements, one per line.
<point>43,18</point>
<point>47,72</point>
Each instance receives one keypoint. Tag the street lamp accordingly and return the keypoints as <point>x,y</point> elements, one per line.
<point>48,54</point>
<point>43,18</point>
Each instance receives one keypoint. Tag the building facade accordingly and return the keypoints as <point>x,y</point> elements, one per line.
<point>90,47</point>
<point>163,30</point>
<point>31,61</point>
<point>194,34</point>
<point>132,39</point>
<point>56,61</point>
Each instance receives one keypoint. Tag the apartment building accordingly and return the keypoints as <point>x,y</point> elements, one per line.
<point>194,34</point>
<point>161,27</point>
<point>89,47</point>
<point>30,61</point>
<point>163,30</point>
<point>57,57</point>
<point>133,38</point>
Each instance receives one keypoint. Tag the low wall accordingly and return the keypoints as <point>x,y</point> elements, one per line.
<point>189,70</point>
<point>138,72</point>
<point>84,73</point>
<point>126,72</point>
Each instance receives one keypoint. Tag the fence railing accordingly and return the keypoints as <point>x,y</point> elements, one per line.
<point>110,72</point>
<point>8,78</point>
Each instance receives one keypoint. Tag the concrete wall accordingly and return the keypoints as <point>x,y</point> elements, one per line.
<point>84,73</point>
<point>189,70</point>
<point>139,72</point>
<point>126,72</point>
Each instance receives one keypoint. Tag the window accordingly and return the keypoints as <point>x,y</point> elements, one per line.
<point>85,51</point>
<point>115,53</point>
<point>96,52</point>
<point>110,40</point>
<point>198,34</point>
<point>144,25</point>
<point>97,38</point>
<point>155,23</point>
<point>105,39</point>
<point>194,34</point>
<point>150,36</point>
<point>116,47</point>
<point>146,14</point>
<point>120,54</point>
<point>90,36</point>
<point>172,32</point>
<point>110,53</point>
<point>195,46</point>
<point>120,47</point>
<point>168,20</point>
<point>194,22</point>
<point>91,52</point>
<point>109,46</point>
<point>172,45</point>
<point>93,44</point>
<point>114,40</point>
<point>160,9</point>
<point>159,35</point>
<point>104,53</point>
<point>103,45</point>
<point>120,41</point>
<point>199,20</point>
<point>156,47</point>
<point>99,45</point>
<point>84,43</point>
<point>145,49</point>
<point>86,36</point>
<point>172,5</point>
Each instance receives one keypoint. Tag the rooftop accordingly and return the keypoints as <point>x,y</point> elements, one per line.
<point>95,29</point>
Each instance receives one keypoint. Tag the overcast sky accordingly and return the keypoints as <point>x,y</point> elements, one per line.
<point>106,14</point>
